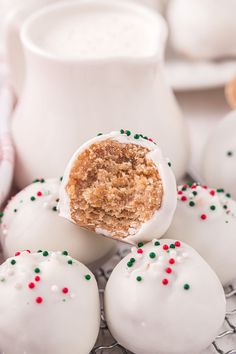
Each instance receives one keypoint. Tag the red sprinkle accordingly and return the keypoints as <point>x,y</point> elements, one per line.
<point>150,139</point>
<point>203,217</point>
<point>37,278</point>
<point>39,194</point>
<point>168,270</point>
<point>212,193</point>
<point>172,261</point>
<point>140,250</point>
<point>177,244</point>
<point>17,254</point>
<point>180,192</point>
<point>165,281</point>
<point>39,300</point>
<point>31,285</point>
<point>28,251</point>
<point>165,247</point>
<point>65,290</point>
<point>184,198</point>
<point>205,187</point>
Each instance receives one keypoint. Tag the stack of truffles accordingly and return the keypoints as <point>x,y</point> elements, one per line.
<point>116,187</point>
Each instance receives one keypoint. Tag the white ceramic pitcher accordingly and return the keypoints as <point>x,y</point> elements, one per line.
<point>66,101</point>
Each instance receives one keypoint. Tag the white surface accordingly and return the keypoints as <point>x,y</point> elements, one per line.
<point>213,238</point>
<point>219,160</point>
<point>146,314</point>
<point>72,319</point>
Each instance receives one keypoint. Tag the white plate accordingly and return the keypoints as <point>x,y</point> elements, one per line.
<point>184,75</point>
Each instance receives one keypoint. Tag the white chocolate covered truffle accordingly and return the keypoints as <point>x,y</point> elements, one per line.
<point>219,157</point>
<point>171,300</point>
<point>121,186</point>
<point>205,218</point>
<point>203,29</point>
<point>31,221</point>
<point>49,303</point>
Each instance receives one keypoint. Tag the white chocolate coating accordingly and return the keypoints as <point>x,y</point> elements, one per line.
<point>181,317</point>
<point>56,314</point>
<point>35,224</point>
<point>208,226</point>
<point>219,157</point>
<point>161,219</point>
<point>203,29</point>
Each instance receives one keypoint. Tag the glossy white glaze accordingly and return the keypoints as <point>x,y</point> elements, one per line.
<point>159,223</point>
<point>207,222</point>
<point>35,224</point>
<point>156,299</point>
<point>48,305</point>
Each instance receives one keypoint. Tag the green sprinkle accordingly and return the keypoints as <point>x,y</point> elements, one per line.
<point>122,131</point>
<point>64,253</point>
<point>36,181</point>
<point>1,214</point>
<point>45,253</point>
<point>132,260</point>
<point>99,134</point>
<point>40,251</point>
<point>186,286</point>
<point>172,245</point>
<point>54,208</point>
<point>194,193</point>
<point>145,137</point>
<point>61,178</point>
<point>225,207</point>
<point>220,190</point>
<point>33,199</point>
<point>184,189</point>
<point>13,261</point>
<point>136,136</point>
<point>228,195</point>
<point>152,255</point>
<point>139,278</point>
<point>87,277</point>
<point>140,244</point>
<point>70,261</point>
<point>192,204</point>
<point>212,207</point>
<point>15,210</point>
<point>129,264</point>
<point>157,243</point>
<point>37,270</point>
<point>229,153</point>
<point>128,132</point>
<point>169,164</point>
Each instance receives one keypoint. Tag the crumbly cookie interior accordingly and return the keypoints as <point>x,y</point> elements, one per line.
<point>114,187</point>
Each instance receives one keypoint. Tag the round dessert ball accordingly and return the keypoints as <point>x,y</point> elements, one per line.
<point>119,185</point>
<point>31,221</point>
<point>171,300</point>
<point>49,303</point>
<point>205,218</point>
<point>203,29</point>
<point>219,158</point>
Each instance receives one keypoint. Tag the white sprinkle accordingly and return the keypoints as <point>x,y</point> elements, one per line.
<point>173,253</point>
<point>54,288</point>
<point>72,296</point>
<point>18,285</point>
<point>179,259</point>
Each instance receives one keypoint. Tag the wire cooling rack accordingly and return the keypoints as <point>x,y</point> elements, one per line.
<point>223,344</point>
